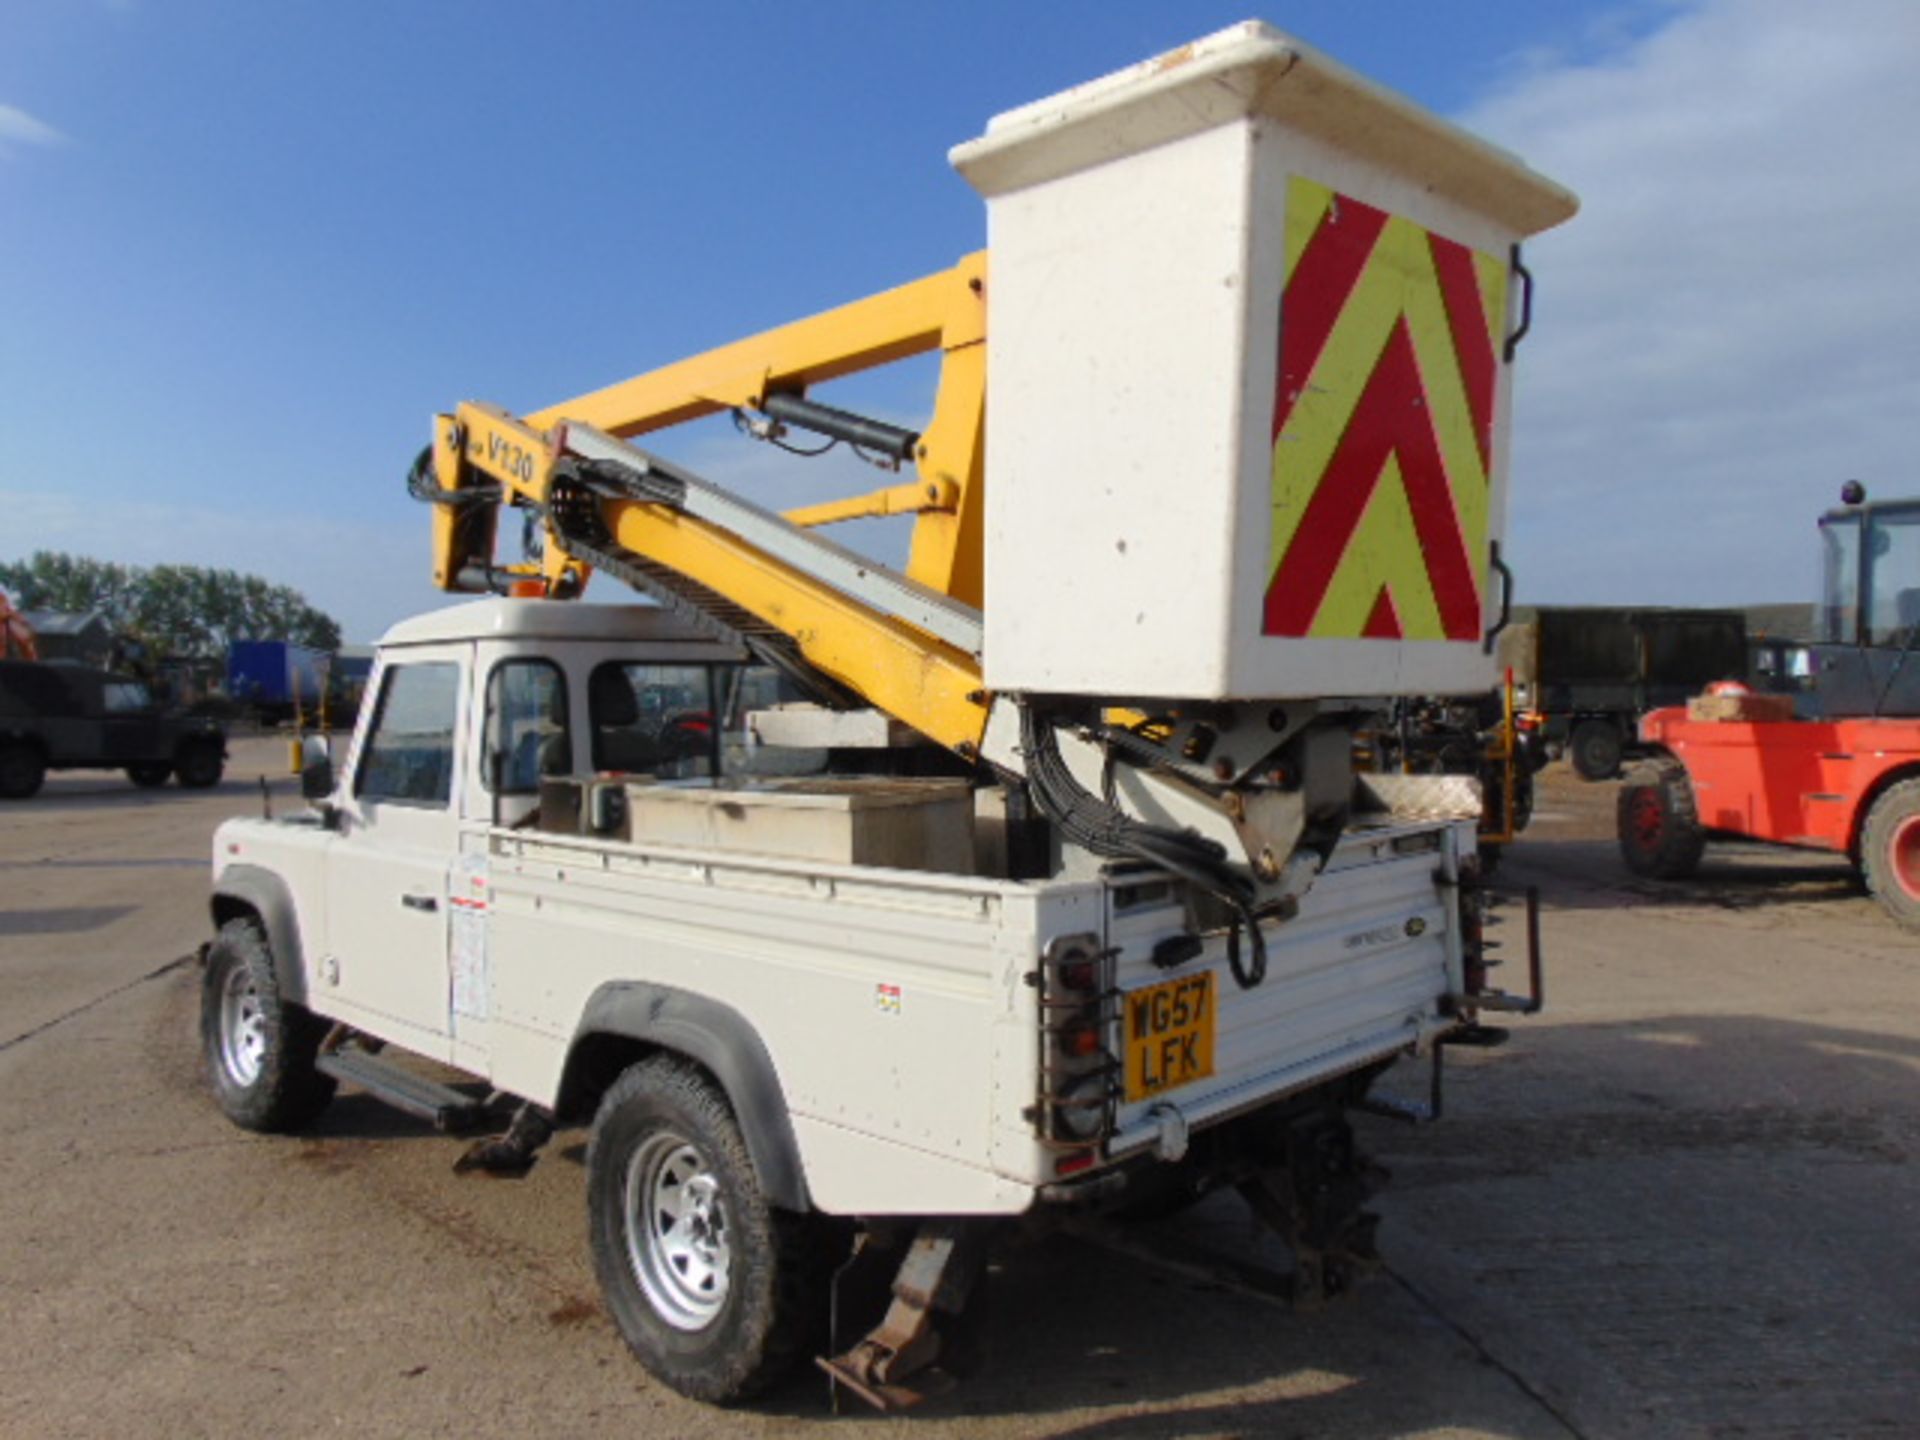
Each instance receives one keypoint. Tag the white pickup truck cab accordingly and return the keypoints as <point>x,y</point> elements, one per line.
<point>769,1047</point>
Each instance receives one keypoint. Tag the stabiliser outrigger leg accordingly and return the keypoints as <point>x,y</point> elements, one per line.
<point>934,1280</point>
<point>1314,1201</point>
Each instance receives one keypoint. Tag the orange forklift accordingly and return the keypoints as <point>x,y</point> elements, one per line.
<point>1844,778</point>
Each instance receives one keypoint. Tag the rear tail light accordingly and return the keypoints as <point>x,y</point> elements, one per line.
<point>1078,1069</point>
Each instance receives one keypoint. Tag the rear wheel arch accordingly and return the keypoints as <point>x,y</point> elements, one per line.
<point>626,1022</point>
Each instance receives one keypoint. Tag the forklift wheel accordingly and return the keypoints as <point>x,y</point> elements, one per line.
<point>1660,832</point>
<point>1890,852</point>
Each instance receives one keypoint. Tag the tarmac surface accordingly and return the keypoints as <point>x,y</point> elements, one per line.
<point>1680,1203</point>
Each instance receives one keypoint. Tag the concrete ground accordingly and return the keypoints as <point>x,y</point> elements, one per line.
<point>1680,1203</point>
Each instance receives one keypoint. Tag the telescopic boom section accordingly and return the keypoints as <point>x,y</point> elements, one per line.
<point>909,647</point>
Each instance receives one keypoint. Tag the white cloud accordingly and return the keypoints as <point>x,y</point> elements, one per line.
<point>1731,325</point>
<point>19,129</point>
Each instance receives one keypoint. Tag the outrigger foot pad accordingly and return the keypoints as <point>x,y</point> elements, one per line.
<point>511,1155</point>
<point>935,1279</point>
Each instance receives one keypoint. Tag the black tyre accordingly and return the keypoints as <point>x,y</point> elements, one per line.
<point>1493,788</point>
<point>1659,827</point>
<point>260,1049</point>
<point>201,764</point>
<point>151,774</point>
<point>1597,749</point>
<point>23,770</point>
<point>714,1290</point>
<point>1890,852</point>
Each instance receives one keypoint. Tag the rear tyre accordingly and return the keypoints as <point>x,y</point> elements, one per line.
<point>151,775</point>
<point>260,1048</point>
<point>1659,827</point>
<point>23,771</point>
<point>201,764</point>
<point>715,1291</point>
<point>1596,748</point>
<point>1890,852</point>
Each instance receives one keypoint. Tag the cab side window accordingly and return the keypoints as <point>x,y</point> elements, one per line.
<point>409,752</point>
<point>527,731</point>
<point>652,719</point>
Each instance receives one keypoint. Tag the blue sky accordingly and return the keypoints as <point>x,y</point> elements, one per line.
<point>248,250</point>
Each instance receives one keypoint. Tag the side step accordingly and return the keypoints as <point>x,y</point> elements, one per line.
<point>449,1110</point>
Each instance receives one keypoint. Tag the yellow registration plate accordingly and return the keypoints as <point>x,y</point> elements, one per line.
<point>1169,1035</point>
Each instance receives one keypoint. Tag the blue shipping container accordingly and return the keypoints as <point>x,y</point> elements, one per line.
<point>271,673</point>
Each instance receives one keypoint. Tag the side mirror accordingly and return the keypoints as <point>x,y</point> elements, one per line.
<point>316,776</point>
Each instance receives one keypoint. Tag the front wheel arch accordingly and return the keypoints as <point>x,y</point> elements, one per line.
<point>1857,827</point>
<point>248,892</point>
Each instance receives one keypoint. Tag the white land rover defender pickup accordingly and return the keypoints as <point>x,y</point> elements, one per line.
<point>1064,892</point>
<point>767,1046</point>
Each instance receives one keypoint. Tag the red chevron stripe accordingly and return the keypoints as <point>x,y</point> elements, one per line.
<point>1472,345</point>
<point>1383,621</point>
<point>1323,278</point>
<point>1392,419</point>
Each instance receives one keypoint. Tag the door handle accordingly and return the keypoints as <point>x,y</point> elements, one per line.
<point>420,902</point>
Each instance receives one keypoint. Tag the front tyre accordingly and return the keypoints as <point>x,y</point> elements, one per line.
<point>200,765</point>
<point>1659,826</point>
<point>1890,852</point>
<point>150,774</point>
<point>23,769</point>
<point>712,1288</point>
<point>260,1048</point>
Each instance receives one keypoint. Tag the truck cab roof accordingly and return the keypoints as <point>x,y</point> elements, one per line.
<point>543,620</point>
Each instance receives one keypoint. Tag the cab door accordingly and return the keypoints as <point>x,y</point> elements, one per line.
<point>389,861</point>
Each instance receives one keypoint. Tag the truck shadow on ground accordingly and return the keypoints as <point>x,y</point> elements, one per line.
<point>1589,875</point>
<point>1748,1130</point>
<point>1731,1193</point>
<point>103,790</point>
<point>60,920</point>
<point>1088,1344</point>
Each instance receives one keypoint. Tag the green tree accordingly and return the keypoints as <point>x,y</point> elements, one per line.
<point>171,609</point>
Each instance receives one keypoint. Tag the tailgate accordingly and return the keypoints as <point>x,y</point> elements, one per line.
<point>1359,974</point>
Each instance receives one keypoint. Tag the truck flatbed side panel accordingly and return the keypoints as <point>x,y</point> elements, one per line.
<point>869,994</point>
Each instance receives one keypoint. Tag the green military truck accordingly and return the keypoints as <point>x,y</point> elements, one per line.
<point>1585,674</point>
<point>57,716</point>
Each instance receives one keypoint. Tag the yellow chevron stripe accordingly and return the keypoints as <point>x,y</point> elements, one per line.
<point>1385,550</point>
<point>1307,205</point>
<point>1492,273</point>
